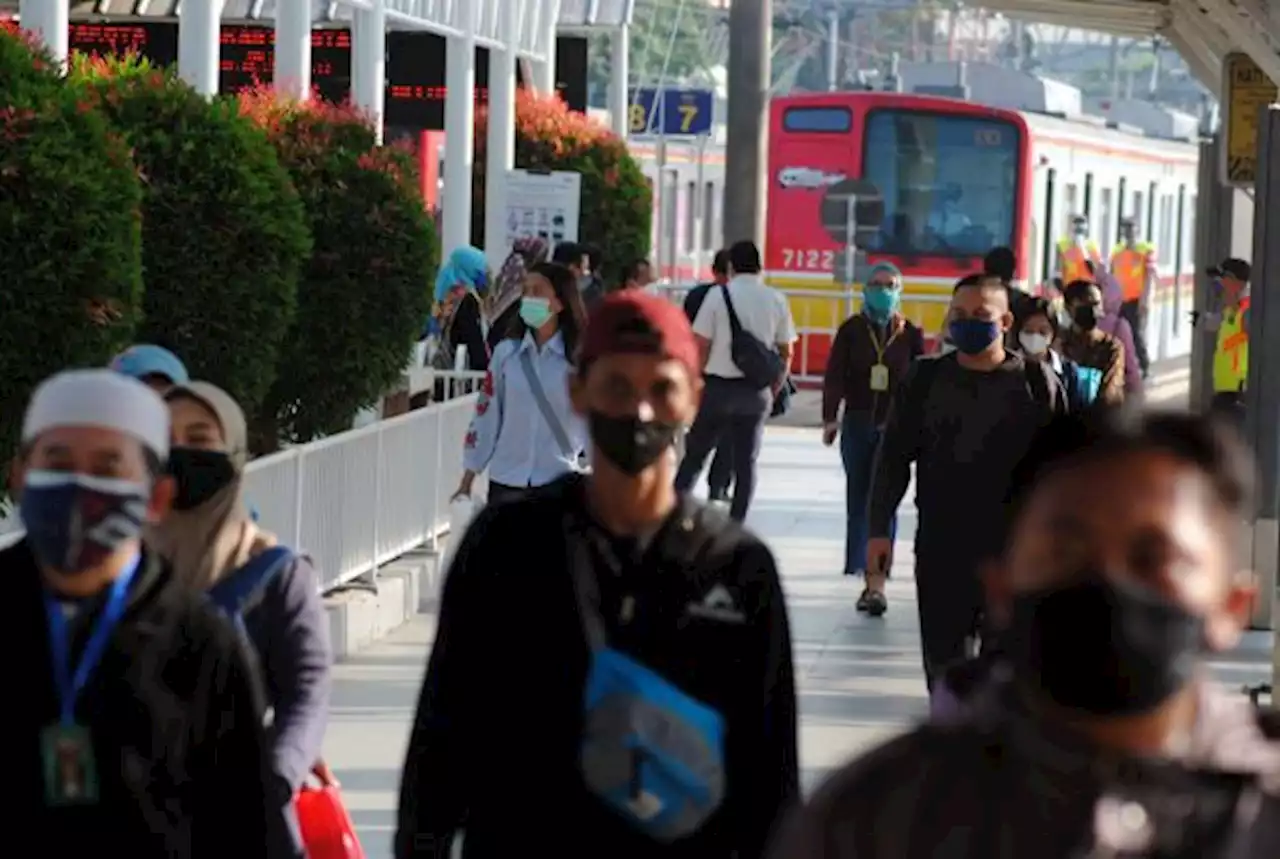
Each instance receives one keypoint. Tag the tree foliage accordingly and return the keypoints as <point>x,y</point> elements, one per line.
<point>367,287</point>
<point>70,229</point>
<point>224,233</point>
<point>617,203</point>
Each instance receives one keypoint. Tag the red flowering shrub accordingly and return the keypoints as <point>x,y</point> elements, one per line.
<point>617,205</point>
<point>70,250</point>
<point>224,236</point>
<point>366,291</point>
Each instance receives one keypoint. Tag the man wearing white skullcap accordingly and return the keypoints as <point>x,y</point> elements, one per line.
<point>125,674</point>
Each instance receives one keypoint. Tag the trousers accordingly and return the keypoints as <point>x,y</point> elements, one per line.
<point>732,409</point>
<point>859,440</point>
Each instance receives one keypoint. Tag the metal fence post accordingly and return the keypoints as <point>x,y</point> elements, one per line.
<point>299,486</point>
<point>433,514</point>
<point>371,578</point>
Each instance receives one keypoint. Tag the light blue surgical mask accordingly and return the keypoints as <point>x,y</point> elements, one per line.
<point>535,311</point>
<point>881,301</point>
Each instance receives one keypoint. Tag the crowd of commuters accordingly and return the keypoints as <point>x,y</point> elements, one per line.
<point>612,672</point>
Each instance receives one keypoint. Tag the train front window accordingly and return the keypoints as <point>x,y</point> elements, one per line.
<point>950,183</point>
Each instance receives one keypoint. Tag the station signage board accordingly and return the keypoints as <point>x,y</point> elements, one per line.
<point>1247,91</point>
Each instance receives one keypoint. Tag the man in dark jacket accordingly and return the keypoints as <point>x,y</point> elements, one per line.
<point>721,474</point>
<point>138,725</point>
<point>1106,738</point>
<point>964,419</point>
<point>507,742</point>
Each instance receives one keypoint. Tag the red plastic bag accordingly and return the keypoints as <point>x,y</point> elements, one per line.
<point>327,830</point>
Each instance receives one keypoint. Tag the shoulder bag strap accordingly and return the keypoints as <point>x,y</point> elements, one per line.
<point>235,593</point>
<point>544,406</point>
<point>586,591</point>
<point>735,324</point>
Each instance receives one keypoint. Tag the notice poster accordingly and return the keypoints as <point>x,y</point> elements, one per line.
<point>544,205</point>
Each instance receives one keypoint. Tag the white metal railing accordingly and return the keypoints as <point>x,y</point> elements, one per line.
<point>359,499</point>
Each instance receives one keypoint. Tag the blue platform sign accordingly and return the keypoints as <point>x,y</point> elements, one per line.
<point>672,112</point>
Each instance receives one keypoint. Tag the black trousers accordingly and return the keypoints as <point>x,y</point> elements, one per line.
<point>721,474</point>
<point>1228,407</point>
<point>951,605</point>
<point>1131,312</point>
<point>731,409</point>
<point>499,492</point>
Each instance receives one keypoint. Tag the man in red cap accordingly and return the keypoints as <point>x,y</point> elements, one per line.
<point>649,609</point>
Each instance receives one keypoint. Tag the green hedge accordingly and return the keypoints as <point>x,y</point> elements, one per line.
<point>70,230</point>
<point>617,204</point>
<point>224,233</point>
<point>366,289</point>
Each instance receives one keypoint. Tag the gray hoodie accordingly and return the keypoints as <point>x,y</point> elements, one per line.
<point>1001,784</point>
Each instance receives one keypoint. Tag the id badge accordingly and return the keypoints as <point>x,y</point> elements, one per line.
<point>70,772</point>
<point>879,378</point>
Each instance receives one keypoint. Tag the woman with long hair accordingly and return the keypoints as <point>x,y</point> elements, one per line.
<point>525,431</point>
<point>212,544</point>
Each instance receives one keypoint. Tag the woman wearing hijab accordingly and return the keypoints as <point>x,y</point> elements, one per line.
<point>214,546</point>
<point>869,360</point>
<point>504,306</point>
<point>459,318</point>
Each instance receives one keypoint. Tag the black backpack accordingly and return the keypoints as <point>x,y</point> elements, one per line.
<point>760,364</point>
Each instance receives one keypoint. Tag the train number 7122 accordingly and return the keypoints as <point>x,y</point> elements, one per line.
<point>808,260</point>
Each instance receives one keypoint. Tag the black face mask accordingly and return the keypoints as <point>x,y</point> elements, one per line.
<point>200,475</point>
<point>630,444</point>
<point>1085,317</point>
<point>1103,648</point>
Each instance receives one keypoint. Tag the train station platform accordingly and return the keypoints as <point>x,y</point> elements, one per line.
<point>859,679</point>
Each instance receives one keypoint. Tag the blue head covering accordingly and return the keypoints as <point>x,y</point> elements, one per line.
<point>146,359</point>
<point>466,265</point>
<point>885,268</point>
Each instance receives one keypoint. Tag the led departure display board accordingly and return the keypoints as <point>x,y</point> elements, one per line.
<point>248,59</point>
<point>157,41</point>
<point>416,77</point>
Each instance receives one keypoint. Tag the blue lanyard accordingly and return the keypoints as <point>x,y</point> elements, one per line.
<point>71,684</point>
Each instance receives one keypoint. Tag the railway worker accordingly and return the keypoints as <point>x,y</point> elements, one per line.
<point>1099,732</point>
<point>1074,251</point>
<point>870,356</point>
<point>752,316</point>
<point>1231,349</point>
<point>649,609</point>
<point>1133,265</point>
<point>721,474</point>
<point>1093,350</point>
<point>965,419</point>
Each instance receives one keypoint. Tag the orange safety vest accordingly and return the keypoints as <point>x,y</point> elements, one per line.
<point>1074,258</point>
<point>1129,267</point>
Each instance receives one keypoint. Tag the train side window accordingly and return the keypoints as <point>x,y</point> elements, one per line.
<point>1105,235</point>
<point>1140,214</point>
<point>1151,213</point>
<point>1088,197</point>
<point>690,223</point>
<point>708,216</point>
<point>1166,229</point>
<point>1121,199</point>
<point>1047,253</point>
<point>818,120</point>
<point>1070,201</point>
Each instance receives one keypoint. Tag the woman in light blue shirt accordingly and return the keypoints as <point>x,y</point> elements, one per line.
<point>525,431</point>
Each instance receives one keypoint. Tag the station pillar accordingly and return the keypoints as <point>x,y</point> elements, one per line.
<point>369,62</point>
<point>544,70</point>
<point>293,48</point>
<point>500,144</point>
<point>459,131</point>
<point>199,44</point>
<point>619,81</point>
<point>47,21</point>
<point>1263,400</point>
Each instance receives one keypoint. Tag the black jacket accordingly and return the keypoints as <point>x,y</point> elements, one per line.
<point>494,749</point>
<point>176,719</point>
<point>1004,782</point>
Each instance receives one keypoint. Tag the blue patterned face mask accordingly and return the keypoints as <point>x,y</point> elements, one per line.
<point>74,522</point>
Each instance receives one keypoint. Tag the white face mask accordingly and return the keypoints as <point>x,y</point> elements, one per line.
<point>1033,343</point>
